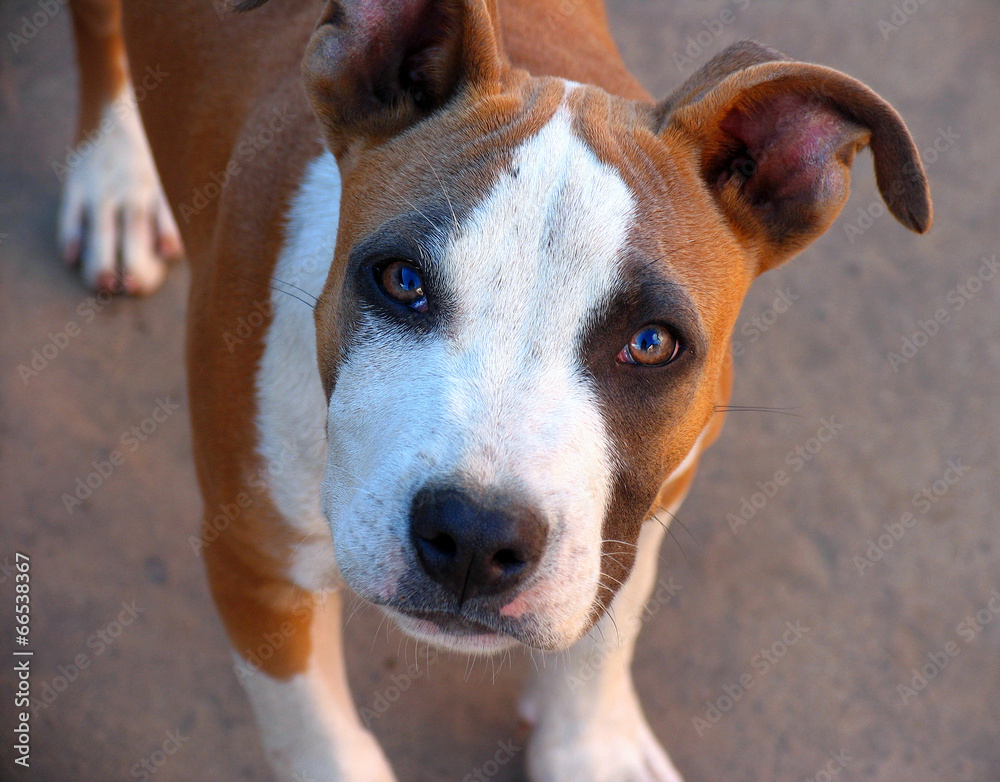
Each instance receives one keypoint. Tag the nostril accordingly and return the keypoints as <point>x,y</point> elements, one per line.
<point>442,543</point>
<point>507,560</point>
<point>475,546</point>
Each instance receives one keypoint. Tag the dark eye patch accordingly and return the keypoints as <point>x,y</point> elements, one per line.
<point>394,273</point>
<point>646,311</point>
<point>640,405</point>
<point>653,345</point>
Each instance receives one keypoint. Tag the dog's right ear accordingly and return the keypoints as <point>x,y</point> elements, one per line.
<point>775,139</point>
<point>375,67</point>
<point>740,55</point>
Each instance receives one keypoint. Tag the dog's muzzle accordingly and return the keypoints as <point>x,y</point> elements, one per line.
<point>475,546</point>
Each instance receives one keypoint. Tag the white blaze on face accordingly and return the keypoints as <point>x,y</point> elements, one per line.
<point>498,396</point>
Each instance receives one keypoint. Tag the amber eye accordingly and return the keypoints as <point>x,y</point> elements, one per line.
<point>401,282</point>
<point>651,346</point>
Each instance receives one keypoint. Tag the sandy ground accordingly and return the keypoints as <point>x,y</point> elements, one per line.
<point>129,650</point>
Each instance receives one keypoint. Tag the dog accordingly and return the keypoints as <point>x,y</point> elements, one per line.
<point>459,326</point>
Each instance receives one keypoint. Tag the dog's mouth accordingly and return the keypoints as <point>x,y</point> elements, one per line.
<point>450,630</point>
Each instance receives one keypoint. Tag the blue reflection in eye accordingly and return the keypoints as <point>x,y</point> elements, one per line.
<point>409,279</point>
<point>647,339</point>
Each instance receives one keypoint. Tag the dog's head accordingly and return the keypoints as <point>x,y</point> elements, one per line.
<point>527,321</point>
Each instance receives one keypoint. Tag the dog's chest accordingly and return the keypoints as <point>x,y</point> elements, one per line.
<point>291,409</point>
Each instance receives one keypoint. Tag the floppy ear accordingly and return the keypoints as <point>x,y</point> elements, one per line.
<point>375,67</point>
<point>775,141</point>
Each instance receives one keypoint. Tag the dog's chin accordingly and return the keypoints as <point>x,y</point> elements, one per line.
<point>452,633</point>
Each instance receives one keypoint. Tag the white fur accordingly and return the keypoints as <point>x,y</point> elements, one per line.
<point>113,190</point>
<point>308,722</point>
<point>501,397</point>
<point>291,405</point>
<point>589,724</point>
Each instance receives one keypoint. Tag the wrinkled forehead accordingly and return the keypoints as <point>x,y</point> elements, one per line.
<point>544,246</point>
<point>551,186</point>
<point>449,162</point>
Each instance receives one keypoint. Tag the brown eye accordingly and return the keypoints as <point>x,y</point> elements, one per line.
<point>401,281</point>
<point>651,346</point>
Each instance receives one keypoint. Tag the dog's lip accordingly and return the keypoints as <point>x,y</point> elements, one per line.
<point>449,623</point>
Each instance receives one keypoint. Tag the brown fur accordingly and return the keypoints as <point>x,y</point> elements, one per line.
<point>228,76</point>
<point>233,243</point>
<point>100,55</point>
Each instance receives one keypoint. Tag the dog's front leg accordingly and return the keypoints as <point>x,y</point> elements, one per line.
<point>589,726</point>
<point>289,658</point>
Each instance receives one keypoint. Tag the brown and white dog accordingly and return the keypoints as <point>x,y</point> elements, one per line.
<point>504,281</point>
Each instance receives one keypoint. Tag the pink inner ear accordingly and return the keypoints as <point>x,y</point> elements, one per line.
<point>795,142</point>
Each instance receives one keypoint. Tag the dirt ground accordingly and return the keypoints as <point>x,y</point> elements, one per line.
<point>133,660</point>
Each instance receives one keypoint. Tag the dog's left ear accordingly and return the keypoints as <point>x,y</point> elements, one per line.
<point>775,140</point>
<point>375,67</point>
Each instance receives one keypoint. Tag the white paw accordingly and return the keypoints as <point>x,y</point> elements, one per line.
<point>114,219</point>
<point>360,760</point>
<point>615,746</point>
<point>309,728</point>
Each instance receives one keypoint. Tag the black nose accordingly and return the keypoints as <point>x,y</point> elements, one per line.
<point>475,546</point>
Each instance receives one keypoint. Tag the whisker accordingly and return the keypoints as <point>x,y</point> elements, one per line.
<point>757,409</point>
<point>631,545</point>
<point>619,542</point>
<point>375,634</point>
<point>612,578</point>
<point>303,291</point>
<point>444,190</point>
<point>275,288</point>
<point>611,615</point>
<point>677,519</point>
<point>357,606</point>
<point>680,548</point>
<point>413,206</point>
